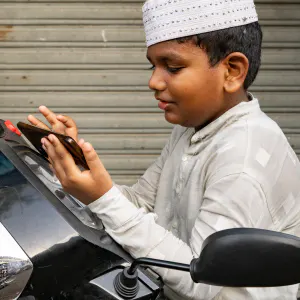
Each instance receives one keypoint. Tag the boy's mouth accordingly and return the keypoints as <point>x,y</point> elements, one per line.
<point>163,104</point>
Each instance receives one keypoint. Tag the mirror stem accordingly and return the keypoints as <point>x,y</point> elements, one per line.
<point>157,263</point>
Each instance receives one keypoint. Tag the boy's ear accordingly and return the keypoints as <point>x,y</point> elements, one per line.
<point>236,69</point>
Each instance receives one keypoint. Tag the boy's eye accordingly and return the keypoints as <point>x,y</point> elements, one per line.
<point>174,70</point>
<point>169,69</point>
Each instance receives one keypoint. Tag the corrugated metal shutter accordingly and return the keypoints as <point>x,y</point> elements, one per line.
<point>87,60</point>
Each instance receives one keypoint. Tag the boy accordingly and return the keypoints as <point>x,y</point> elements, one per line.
<point>226,163</point>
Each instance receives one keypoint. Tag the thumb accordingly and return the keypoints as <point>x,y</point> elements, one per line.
<point>93,161</point>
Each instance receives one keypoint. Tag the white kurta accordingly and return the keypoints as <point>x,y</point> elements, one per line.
<point>238,171</point>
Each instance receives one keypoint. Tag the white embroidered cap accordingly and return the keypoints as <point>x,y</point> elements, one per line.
<point>170,19</point>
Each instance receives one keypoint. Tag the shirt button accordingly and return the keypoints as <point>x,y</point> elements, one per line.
<point>184,158</point>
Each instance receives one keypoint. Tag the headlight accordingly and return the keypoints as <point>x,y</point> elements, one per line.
<point>15,267</point>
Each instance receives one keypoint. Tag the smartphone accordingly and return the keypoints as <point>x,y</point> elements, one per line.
<point>34,134</point>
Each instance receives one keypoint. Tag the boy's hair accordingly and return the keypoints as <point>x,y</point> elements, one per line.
<point>246,39</point>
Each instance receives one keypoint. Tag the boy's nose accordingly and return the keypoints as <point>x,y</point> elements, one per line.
<point>157,82</point>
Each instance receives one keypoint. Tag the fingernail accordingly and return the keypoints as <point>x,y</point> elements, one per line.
<point>42,107</point>
<point>45,141</point>
<point>50,137</point>
<point>88,146</point>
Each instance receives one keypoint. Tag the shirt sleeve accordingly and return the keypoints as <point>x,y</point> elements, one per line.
<point>143,193</point>
<point>227,203</point>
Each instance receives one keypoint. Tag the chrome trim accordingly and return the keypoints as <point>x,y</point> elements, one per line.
<point>15,267</point>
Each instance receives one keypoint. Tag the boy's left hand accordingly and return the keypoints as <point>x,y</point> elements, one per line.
<point>88,185</point>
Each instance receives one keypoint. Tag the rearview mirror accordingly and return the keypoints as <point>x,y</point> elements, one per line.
<point>240,257</point>
<point>246,257</point>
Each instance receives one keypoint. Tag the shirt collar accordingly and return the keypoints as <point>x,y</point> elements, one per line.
<point>230,116</point>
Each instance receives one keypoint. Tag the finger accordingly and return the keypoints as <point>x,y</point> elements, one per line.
<point>52,157</point>
<point>36,122</point>
<point>51,163</point>
<point>70,126</point>
<point>48,114</point>
<point>81,142</point>
<point>63,157</point>
<point>67,121</point>
<point>52,169</point>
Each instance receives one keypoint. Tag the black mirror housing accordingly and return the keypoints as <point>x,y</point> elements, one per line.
<point>247,257</point>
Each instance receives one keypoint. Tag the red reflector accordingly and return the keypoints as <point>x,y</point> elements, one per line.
<point>12,128</point>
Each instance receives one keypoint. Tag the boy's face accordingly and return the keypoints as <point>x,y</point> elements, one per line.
<point>188,89</point>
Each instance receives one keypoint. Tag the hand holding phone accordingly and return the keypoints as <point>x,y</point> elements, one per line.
<point>35,134</point>
<point>59,123</point>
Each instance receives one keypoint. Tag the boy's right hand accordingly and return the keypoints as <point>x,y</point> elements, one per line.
<point>60,124</point>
